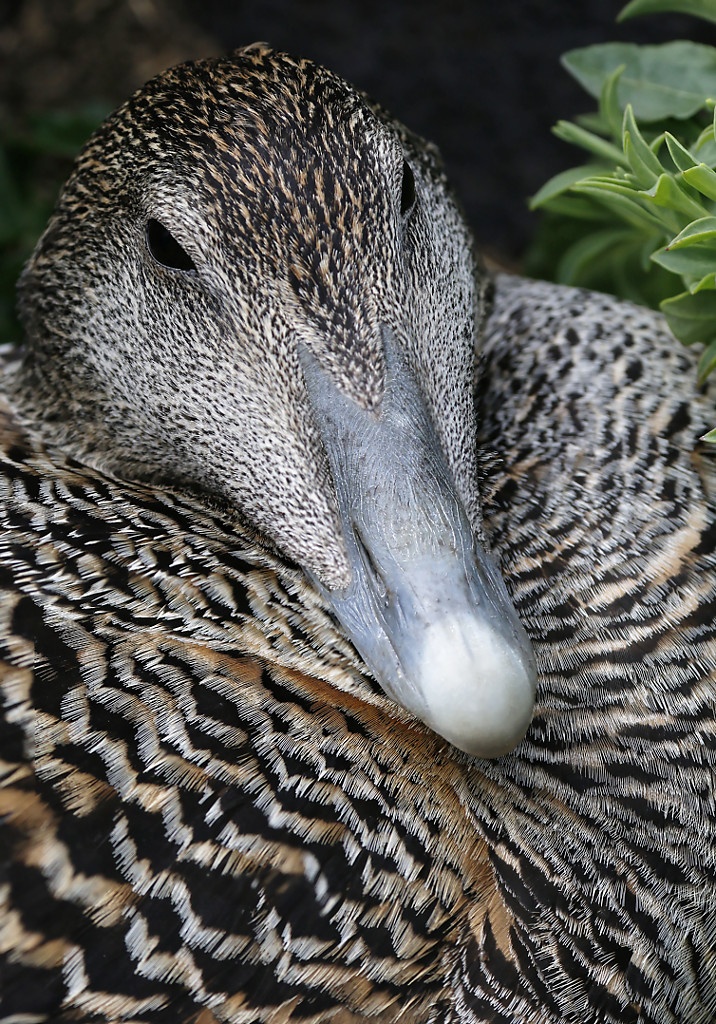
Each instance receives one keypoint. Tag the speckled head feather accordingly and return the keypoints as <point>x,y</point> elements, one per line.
<point>254,280</point>
<point>307,218</point>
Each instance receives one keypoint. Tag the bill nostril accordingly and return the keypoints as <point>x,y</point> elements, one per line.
<point>381,587</point>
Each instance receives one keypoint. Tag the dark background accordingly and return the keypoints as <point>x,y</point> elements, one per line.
<point>480,77</point>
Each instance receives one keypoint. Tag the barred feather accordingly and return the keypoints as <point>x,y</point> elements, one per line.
<point>210,813</point>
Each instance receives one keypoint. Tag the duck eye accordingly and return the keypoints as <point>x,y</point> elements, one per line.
<point>165,249</point>
<point>407,192</point>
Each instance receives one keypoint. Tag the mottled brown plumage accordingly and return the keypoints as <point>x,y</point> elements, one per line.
<point>281,182</point>
<point>210,812</point>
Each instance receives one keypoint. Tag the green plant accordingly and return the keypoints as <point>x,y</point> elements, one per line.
<point>33,165</point>
<point>639,219</point>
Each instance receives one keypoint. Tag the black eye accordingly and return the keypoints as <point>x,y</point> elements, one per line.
<point>407,192</point>
<point>165,249</point>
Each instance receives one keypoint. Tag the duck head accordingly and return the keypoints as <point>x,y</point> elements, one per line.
<point>258,284</point>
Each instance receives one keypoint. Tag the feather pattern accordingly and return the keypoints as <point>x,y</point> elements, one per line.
<point>210,812</point>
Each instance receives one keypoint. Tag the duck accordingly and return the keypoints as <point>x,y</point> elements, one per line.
<point>357,654</point>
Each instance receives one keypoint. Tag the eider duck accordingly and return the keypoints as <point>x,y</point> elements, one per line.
<point>271,745</point>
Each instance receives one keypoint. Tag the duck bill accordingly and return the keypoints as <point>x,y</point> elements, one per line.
<point>426,607</point>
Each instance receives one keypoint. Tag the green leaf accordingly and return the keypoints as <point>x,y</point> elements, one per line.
<point>667,193</point>
<point>706,284</point>
<point>642,162</point>
<point>617,268</point>
<point>575,207</point>
<point>691,318</point>
<point>707,363</point>
<point>610,113</point>
<point>702,178</point>
<point>621,201</point>
<point>692,253</point>
<point>580,256</point>
<point>696,261</point>
<point>683,160</point>
<point>593,121</point>
<point>695,247</point>
<point>697,233</point>
<point>562,182</point>
<point>705,147</point>
<point>650,243</point>
<point>577,136</point>
<point>668,80</point>
<point>710,437</point>
<point>699,8</point>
